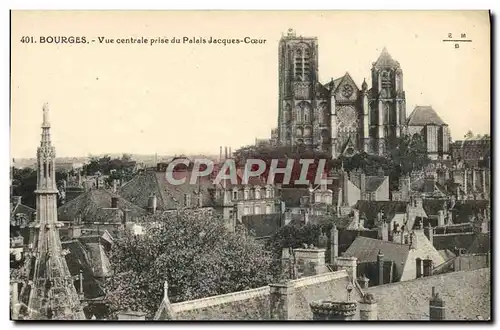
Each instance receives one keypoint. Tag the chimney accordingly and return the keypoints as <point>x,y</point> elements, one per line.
<point>363,281</point>
<point>345,198</point>
<point>225,152</point>
<point>282,301</point>
<point>356,219</point>
<point>418,262</point>
<point>368,308</point>
<point>115,183</point>
<point>230,153</point>
<point>131,316</point>
<point>334,245</point>
<point>429,232</point>
<point>220,157</point>
<point>436,307</point>
<point>79,178</point>
<point>152,204</point>
<point>383,231</point>
<point>441,218</point>
<point>313,260</point>
<point>125,216</point>
<point>333,310</point>
<point>350,264</point>
<point>380,265</point>
<point>427,267</point>
<point>114,202</point>
<point>362,186</point>
<point>288,217</point>
<point>80,278</point>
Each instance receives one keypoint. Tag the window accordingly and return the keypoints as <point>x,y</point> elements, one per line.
<point>246,210</point>
<point>268,193</point>
<point>257,193</point>
<point>187,200</point>
<point>268,209</point>
<point>235,194</point>
<point>257,209</point>
<point>245,194</point>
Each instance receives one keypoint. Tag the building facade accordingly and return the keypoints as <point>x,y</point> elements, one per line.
<point>337,117</point>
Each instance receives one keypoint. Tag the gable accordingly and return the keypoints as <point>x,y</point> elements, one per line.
<point>346,90</point>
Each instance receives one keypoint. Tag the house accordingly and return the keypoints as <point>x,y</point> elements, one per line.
<point>372,255</point>
<point>97,210</point>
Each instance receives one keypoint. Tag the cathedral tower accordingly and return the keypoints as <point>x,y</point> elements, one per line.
<point>303,117</point>
<point>50,293</point>
<point>387,102</point>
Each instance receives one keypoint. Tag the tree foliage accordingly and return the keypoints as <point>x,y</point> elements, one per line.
<point>24,183</point>
<point>194,253</point>
<point>116,168</point>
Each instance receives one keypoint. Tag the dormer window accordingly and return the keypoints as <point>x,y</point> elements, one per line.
<point>245,194</point>
<point>235,194</point>
<point>257,192</point>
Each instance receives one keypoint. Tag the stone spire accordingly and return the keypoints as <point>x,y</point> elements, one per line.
<point>50,293</point>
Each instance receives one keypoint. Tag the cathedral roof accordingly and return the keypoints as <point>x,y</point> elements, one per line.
<point>385,60</point>
<point>424,115</point>
<point>335,83</point>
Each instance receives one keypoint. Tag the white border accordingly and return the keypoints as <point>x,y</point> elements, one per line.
<point>200,4</point>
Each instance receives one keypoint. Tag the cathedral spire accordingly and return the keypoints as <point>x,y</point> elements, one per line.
<point>50,292</point>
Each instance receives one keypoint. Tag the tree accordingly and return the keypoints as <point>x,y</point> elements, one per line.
<point>24,183</point>
<point>194,253</point>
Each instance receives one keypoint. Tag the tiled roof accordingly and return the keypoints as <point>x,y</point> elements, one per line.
<point>433,206</point>
<point>95,205</point>
<point>466,294</point>
<point>385,60</point>
<point>424,115</point>
<point>366,250</point>
<point>463,209</point>
<point>169,196</point>
<point>371,182</point>
<point>262,225</point>
<point>77,259</point>
<point>453,242</point>
<point>370,209</point>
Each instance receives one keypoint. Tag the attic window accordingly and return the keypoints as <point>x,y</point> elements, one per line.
<point>235,194</point>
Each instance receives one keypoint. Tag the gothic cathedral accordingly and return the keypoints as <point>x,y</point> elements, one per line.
<point>337,117</point>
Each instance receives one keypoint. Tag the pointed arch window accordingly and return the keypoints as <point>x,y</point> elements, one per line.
<point>44,170</point>
<point>302,62</point>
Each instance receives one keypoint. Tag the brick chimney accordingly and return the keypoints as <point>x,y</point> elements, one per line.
<point>441,218</point>
<point>345,184</point>
<point>349,264</point>
<point>362,186</point>
<point>312,261</point>
<point>383,231</point>
<point>114,202</point>
<point>220,157</point>
<point>282,301</point>
<point>334,245</point>
<point>436,307</point>
<point>380,266</point>
<point>368,309</point>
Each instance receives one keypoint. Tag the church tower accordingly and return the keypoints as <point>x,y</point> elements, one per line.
<point>303,117</point>
<point>50,293</point>
<point>387,102</point>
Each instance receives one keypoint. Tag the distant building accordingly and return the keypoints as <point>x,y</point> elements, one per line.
<point>425,121</point>
<point>475,152</point>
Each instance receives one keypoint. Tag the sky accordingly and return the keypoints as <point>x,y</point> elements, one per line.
<point>193,98</point>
